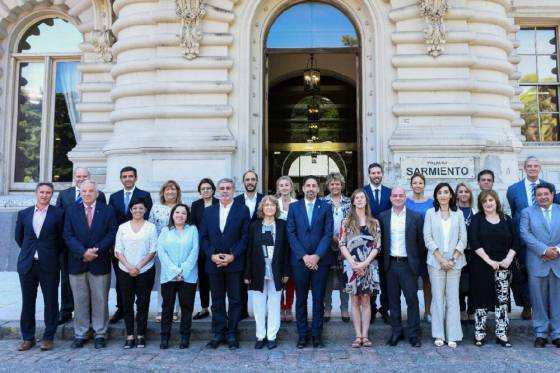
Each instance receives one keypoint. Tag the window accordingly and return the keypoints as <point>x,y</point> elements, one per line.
<point>539,83</point>
<point>312,25</point>
<point>45,115</point>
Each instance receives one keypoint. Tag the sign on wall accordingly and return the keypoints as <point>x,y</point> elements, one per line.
<point>438,168</point>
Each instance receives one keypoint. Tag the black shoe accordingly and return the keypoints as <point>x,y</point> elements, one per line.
<point>140,342</point>
<point>185,342</point>
<point>385,317</point>
<point>78,343</point>
<point>244,315</point>
<point>415,342</point>
<point>302,342</point>
<point>201,315</point>
<point>326,318</point>
<point>347,319</point>
<point>233,344</point>
<point>317,342</point>
<point>503,343</point>
<point>117,316</point>
<point>214,343</point>
<point>394,340</point>
<point>129,343</point>
<point>556,342</point>
<point>480,342</point>
<point>540,342</point>
<point>164,344</point>
<point>271,344</point>
<point>260,344</point>
<point>100,343</point>
<point>63,319</point>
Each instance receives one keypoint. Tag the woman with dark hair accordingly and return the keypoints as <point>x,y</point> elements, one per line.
<point>445,236</point>
<point>267,268</point>
<point>135,247</point>
<point>493,238</point>
<point>178,254</point>
<point>421,204</point>
<point>169,196</point>
<point>206,189</point>
<point>360,243</point>
<point>466,205</point>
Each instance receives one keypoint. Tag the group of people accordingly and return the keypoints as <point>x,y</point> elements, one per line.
<point>376,243</point>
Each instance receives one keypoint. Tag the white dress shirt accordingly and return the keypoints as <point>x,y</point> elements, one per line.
<point>135,246</point>
<point>224,212</point>
<point>529,190</point>
<point>398,241</point>
<point>39,217</point>
<point>251,203</point>
<point>446,226</point>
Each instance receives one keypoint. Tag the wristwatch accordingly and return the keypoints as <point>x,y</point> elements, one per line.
<point>454,260</point>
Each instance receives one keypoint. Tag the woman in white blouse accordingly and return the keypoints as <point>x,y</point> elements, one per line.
<point>135,247</point>
<point>169,196</point>
<point>445,235</point>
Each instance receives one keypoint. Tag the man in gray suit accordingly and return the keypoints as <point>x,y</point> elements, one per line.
<point>401,232</point>
<point>540,229</point>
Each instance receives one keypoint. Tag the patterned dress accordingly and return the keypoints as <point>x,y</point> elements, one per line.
<point>360,246</point>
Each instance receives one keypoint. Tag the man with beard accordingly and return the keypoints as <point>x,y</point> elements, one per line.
<point>310,231</point>
<point>251,198</point>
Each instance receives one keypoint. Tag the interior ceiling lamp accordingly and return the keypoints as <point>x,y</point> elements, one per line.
<point>313,111</point>
<point>311,76</point>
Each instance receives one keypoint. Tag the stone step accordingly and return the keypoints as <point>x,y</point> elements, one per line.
<point>201,330</point>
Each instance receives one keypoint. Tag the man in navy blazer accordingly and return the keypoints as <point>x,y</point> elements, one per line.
<point>379,201</point>
<point>520,196</point>
<point>310,231</point>
<point>251,198</point>
<point>223,238</point>
<point>69,197</point>
<point>39,236</point>
<point>89,233</point>
<point>120,201</point>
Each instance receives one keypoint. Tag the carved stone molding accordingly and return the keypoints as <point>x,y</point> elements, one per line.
<point>102,41</point>
<point>435,32</point>
<point>191,13</point>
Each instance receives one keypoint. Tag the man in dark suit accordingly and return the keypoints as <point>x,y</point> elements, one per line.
<point>310,231</point>
<point>89,233</point>
<point>401,232</point>
<point>39,236</point>
<point>520,196</point>
<point>69,197</point>
<point>251,198</point>
<point>379,201</point>
<point>120,201</point>
<point>223,238</point>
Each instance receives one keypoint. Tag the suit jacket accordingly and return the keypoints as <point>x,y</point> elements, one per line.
<point>197,210</point>
<point>384,201</point>
<point>117,201</point>
<point>255,265</point>
<point>241,199</point>
<point>538,236</point>
<point>233,240</point>
<point>48,245</point>
<point>306,239</point>
<point>517,199</point>
<point>67,197</point>
<point>433,236</point>
<point>79,237</point>
<point>414,239</point>
<point>557,199</point>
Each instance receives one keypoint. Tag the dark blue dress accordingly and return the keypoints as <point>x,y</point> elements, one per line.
<point>421,208</point>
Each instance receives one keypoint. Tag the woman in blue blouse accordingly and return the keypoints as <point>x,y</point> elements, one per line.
<point>178,254</point>
<point>419,203</point>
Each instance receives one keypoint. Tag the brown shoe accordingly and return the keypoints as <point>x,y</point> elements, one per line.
<point>26,345</point>
<point>47,345</point>
<point>526,314</point>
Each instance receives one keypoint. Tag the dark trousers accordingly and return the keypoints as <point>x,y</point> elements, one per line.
<point>400,278</point>
<point>115,262</point>
<point>383,299</point>
<point>203,283</point>
<point>66,297</point>
<point>185,292</point>
<point>137,288</point>
<point>49,287</point>
<point>316,281</point>
<point>521,289</point>
<point>222,284</point>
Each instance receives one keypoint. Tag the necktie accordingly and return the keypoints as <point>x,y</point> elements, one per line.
<point>126,201</point>
<point>377,196</point>
<point>309,212</point>
<point>548,217</point>
<point>89,215</point>
<point>533,194</point>
<point>79,199</point>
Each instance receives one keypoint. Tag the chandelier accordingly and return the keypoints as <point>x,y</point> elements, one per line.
<point>311,76</point>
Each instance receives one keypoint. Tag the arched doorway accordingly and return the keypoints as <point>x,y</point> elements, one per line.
<point>312,96</point>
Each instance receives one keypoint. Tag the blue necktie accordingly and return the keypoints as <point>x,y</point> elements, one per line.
<point>126,201</point>
<point>79,199</point>
<point>548,217</point>
<point>533,194</point>
<point>309,212</point>
<point>377,196</point>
